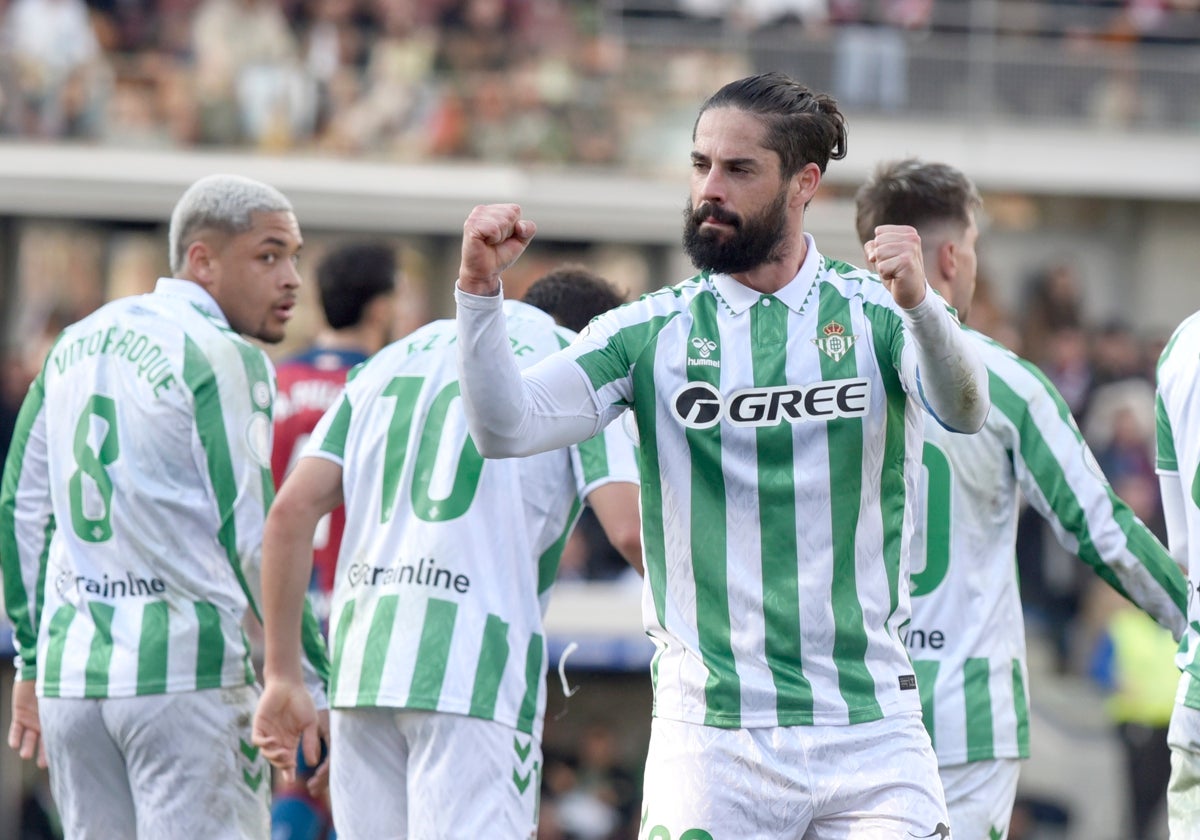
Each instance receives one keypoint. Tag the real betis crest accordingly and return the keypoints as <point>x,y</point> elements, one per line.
<point>835,343</point>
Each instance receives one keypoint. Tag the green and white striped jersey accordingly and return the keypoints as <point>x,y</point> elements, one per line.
<point>1177,410</point>
<point>447,561</point>
<point>967,636</point>
<point>133,502</point>
<point>779,452</point>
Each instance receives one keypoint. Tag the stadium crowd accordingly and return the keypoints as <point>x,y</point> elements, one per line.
<point>518,81</point>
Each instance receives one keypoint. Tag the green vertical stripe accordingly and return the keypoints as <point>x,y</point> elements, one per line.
<point>844,443</point>
<point>777,522</point>
<point>552,556</point>
<point>334,441</point>
<point>29,668</point>
<point>708,537</point>
<point>654,552</point>
<point>21,605</point>
<point>313,643</point>
<point>493,656</point>
<point>201,380</point>
<point>100,651</point>
<point>379,636</point>
<point>210,646</point>
<point>618,357</point>
<point>247,663</point>
<point>344,623</point>
<point>893,490</point>
<point>152,649</point>
<point>981,738</point>
<point>433,653</point>
<point>927,671</point>
<point>56,647</point>
<point>593,457</point>
<point>1164,437</point>
<point>534,655</point>
<point>1052,481</point>
<point>254,365</point>
<point>1192,697</point>
<point>1021,708</point>
<point>631,352</point>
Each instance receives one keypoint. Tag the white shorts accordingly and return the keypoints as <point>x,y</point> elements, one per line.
<point>980,796</point>
<point>1183,791</point>
<point>162,765</point>
<point>876,779</point>
<point>399,773</point>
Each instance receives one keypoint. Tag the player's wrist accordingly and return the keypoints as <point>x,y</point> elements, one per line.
<point>916,300</point>
<point>283,672</point>
<point>480,286</point>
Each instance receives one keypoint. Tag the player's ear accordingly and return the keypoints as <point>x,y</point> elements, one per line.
<point>804,185</point>
<point>947,260</point>
<point>201,264</point>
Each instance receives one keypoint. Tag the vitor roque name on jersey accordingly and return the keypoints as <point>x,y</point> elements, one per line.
<point>699,405</point>
<point>139,350</point>
<point>424,573</point>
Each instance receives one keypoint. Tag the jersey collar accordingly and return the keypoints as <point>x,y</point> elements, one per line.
<point>740,298</point>
<point>192,292</point>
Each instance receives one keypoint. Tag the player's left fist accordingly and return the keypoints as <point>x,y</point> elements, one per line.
<point>895,255</point>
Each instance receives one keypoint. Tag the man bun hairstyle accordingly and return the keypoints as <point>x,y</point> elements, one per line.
<point>803,126</point>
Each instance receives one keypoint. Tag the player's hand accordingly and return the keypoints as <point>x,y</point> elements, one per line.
<point>285,718</point>
<point>25,732</point>
<point>318,783</point>
<point>895,255</point>
<point>494,236</point>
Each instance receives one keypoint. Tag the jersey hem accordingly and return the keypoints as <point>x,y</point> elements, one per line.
<point>462,710</point>
<point>791,718</point>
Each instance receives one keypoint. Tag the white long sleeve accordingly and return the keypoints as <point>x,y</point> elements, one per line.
<point>953,378</point>
<point>512,413</point>
<point>1175,517</point>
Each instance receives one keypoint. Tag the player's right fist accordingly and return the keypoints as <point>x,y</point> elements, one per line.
<point>494,236</point>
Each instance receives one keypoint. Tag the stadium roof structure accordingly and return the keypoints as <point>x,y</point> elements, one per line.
<point>37,179</point>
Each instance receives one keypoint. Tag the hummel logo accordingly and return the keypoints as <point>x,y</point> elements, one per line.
<point>704,346</point>
<point>942,831</point>
<point>253,782</point>
<point>248,750</point>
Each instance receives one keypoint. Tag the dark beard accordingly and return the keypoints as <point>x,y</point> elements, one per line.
<point>755,241</point>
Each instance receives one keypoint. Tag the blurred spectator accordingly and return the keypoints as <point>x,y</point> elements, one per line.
<point>59,70</point>
<point>990,317</point>
<point>13,384</point>
<point>393,106</point>
<point>1053,302</point>
<point>870,65</point>
<point>1134,662</point>
<point>1066,360</point>
<point>249,82</point>
<point>1117,353</point>
<point>477,36</point>
<point>593,118</point>
<point>336,47</point>
<point>1052,585</point>
<point>590,796</point>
